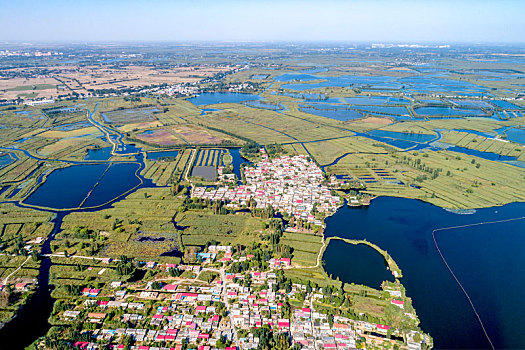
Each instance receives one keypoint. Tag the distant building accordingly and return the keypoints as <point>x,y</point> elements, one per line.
<point>44,101</point>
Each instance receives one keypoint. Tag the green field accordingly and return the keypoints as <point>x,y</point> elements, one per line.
<point>306,247</point>
<point>483,144</point>
<point>204,226</point>
<point>162,172</point>
<point>460,183</point>
<point>209,157</point>
<point>144,213</point>
<point>33,87</point>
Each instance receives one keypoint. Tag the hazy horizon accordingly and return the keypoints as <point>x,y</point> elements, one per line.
<point>406,21</point>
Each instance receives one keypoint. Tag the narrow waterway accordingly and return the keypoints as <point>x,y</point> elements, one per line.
<point>32,321</point>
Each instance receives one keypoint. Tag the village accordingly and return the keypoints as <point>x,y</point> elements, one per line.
<point>291,185</point>
<point>225,310</point>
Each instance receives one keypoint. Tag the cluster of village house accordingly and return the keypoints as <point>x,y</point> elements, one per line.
<point>189,89</point>
<point>191,313</point>
<point>23,284</point>
<point>185,89</point>
<point>289,184</point>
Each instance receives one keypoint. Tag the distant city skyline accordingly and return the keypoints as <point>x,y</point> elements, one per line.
<point>443,21</point>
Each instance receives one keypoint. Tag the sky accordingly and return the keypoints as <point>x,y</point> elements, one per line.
<point>443,21</point>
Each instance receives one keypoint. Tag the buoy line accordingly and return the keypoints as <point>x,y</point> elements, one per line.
<point>454,275</point>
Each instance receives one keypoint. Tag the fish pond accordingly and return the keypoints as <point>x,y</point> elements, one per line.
<point>405,136</point>
<point>85,185</point>
<point>342,81</point>
<point>332,113</point>
<point>212,98</point>
<point>162,154</point>
<point>376,100</point>
<point>263,105</point>
<point>205,171</point>
<point>359,263</point>
<point>480,154</point>
<point>504,104</point>
<point>447,111</point>
<point>27,114</point>
<point>391,110</point>
<point>6,159</point>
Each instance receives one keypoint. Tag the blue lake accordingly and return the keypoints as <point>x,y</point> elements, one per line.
<point>359,263</point>
<point>296,77</point>
<point>487,259</point>
<point>69,187</point>
<point>211,98</point>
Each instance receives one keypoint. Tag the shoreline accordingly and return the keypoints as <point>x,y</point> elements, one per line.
<point>392,265</point>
